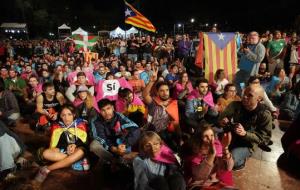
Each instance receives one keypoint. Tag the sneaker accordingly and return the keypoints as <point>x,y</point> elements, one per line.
<point>23,163</point>
<point>270,142</point>
<point>42,174</point>
<point>10,177</point>
<point>265,147</point>
<point>238,168</point>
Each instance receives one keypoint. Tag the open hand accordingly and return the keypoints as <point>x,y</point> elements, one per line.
<point>239,130</point>
<point>226,139</point>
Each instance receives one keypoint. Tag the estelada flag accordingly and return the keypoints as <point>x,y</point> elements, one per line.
<point>135,18</point>
<point>220,53</point>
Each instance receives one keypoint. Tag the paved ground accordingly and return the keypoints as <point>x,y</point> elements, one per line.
<point>261,172</point>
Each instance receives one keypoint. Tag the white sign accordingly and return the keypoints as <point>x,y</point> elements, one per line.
<point>110,87</point>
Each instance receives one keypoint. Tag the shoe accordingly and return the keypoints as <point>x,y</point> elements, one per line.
<point>265,147</point>
<point>42,174</point>
<point>10,177</point>
<point>23,163</point>
<point>238,168</point>
<point>270,143</point>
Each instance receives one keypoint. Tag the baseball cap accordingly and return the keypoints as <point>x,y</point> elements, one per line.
<point>82,88</point>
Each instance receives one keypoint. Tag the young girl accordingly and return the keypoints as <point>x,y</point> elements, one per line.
<point>220,82</point>
<point>207,161</point>
<point>129,104</point>
<point>85,103</point>
<point>156,167</point>
<point>67,145</point>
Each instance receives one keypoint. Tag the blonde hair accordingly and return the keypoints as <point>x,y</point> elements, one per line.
<point>146,137</point>
<point>89,101</point>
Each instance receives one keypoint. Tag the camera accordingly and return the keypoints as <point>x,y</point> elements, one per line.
<point>230,126</point>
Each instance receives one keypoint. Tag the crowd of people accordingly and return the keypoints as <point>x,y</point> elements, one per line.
<point>173,130</point>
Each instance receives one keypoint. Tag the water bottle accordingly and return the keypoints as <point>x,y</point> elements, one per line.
<point>85,164</point>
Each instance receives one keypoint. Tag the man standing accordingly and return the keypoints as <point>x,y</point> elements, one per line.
<point>132,48</point>
<point>276,50</point>
<point>184,47</point>
<point>250,123</point>
<point>251,55</point>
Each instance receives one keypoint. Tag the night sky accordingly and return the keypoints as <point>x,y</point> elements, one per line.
<point>45,15</point>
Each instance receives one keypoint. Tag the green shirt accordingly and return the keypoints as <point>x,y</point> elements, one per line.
<point>18,85</point>
<point>276,47</point>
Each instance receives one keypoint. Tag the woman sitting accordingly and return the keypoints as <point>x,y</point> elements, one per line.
<point>156,167</point>
<point>85,103</point>
<point>183,87</point>
<point>228,97</point>
<point>220,82</point>
<point>207,161</point>
<point>130,105</point>
<point>67,145</point>
<point>279,84</point>
<point>290,106</point>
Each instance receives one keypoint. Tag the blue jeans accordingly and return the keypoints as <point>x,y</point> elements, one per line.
<point>240,154</point>
<point>147,56</point>
<point>133,57</point>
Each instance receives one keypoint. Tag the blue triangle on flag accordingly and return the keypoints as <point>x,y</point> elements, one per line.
<point>221,39</point>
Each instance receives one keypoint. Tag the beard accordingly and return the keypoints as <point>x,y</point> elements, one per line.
<point>164,98</point>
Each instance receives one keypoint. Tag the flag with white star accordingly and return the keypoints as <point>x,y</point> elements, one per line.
<point>220,53</point>
<point>135,18</point>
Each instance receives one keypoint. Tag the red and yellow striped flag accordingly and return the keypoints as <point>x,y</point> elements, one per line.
<point>135,18</point>
<point>220,53</point>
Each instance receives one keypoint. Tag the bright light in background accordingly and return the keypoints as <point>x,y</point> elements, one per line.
<point>94,26</point>
<point>192,20</point>
<point>215,24</point>
<point>206,24</point>
<point>12,31</point>
<point>179,25</point>
<point>6,31</point>
<point>18,31</point>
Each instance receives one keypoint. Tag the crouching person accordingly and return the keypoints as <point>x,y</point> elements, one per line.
<point>67,145</point>
<point>156,167</point>
<point>11,151</point>
<point>113,134</point>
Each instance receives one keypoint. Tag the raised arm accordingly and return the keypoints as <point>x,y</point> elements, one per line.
<point>146,92</point>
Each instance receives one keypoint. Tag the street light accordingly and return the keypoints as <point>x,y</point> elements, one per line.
<point>179,25</point>
<point>94,26</point>
<point>192,20</point>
